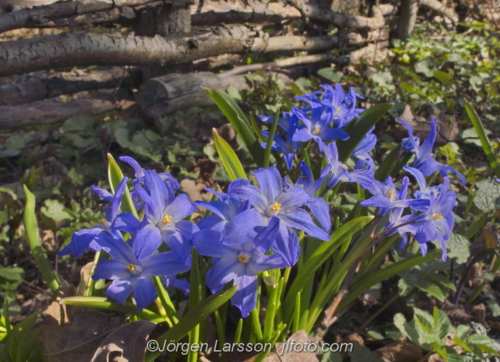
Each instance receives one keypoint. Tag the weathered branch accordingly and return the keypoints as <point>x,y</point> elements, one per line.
<point>39,113</point>
<point>81,49</point>
<point>236,13</point>
<point>35,89</point>
<point>340,20</point>
<point>441,9</point>
<point>43,14</point>
<point>289,62</point>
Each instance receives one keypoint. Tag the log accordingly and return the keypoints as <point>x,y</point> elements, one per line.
<point>49,112</point>
<point>81,49</point>
<point>34,89</point>
<point>43,14</point>
<point>171,92</point>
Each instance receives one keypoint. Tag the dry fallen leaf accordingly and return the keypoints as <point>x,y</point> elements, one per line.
<point>78,340</point>
<point>283,354</point>
<point>400,351</point>
<point>126,344</point>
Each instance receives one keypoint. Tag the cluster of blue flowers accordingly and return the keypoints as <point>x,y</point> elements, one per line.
<point>253,227</point>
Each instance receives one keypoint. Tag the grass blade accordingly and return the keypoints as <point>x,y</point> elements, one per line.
<point>239,121</point>
<point>193,318</point>
<point>485,142</point>
<point>31,227</point>
<point>115,176</point>
<point>230,161</point>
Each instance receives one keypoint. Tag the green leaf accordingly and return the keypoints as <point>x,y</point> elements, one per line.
<point>230,161</point>
<point>480,130</point>
<point>459,246</point>
<point>14,274</point>
<point>406,328</point>
<point>233,93</point>
<point>22,344</point>
<point>193,318</point>
<point>105,303</point>
<point>443,77</point>
<point>359,128</point>
<point>322,253</point>
<point>115,176</point>
<point>442,325</point>
<point>361,353</point>
<point>485,343</point>
<point>330,74</point>
<point>487,195</point>
<point>240,123</point>
<point>78,123</point>
<point>55,210</point>
<point>31,227</point>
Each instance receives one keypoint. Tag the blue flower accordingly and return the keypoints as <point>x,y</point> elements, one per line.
<point>424,160</point>
<point>270,199</point>
<point>318,206</point>
<point>388,197</point>
<point>317,122</point>
<point>337,171</point>
<point>133,274</point>
<point>224,210</point>
<point>164,214</point>
<point>113,222</point>
<point>436,222</point>
<point>287,146</point>
<point>171,182</point>
<point>239,262</point>
<point>361,153</point>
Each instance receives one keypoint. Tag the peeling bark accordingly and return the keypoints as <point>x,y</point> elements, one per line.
<point>81,49</point>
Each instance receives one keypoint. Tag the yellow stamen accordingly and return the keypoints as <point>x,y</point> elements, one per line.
<point>167,219</point>
<point>316,130</point>
<point>437,217</point>
<point>345,167</point>
<point>276,207</point>
<point>391,194</point>
<point>131,267</point>
<point>337,110</point>
<point>102,221</point>
<point>243,258</point>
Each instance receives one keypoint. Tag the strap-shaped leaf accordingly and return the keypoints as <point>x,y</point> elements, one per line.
<point>115,176</point>
<point>230,161</point>
<point>485,142</point>
<point>31,227</point>
<point>359,128</point>
<point>321,254</point>
<point>105,303</point>
<point>239,121</point>
<point>193,318</point>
